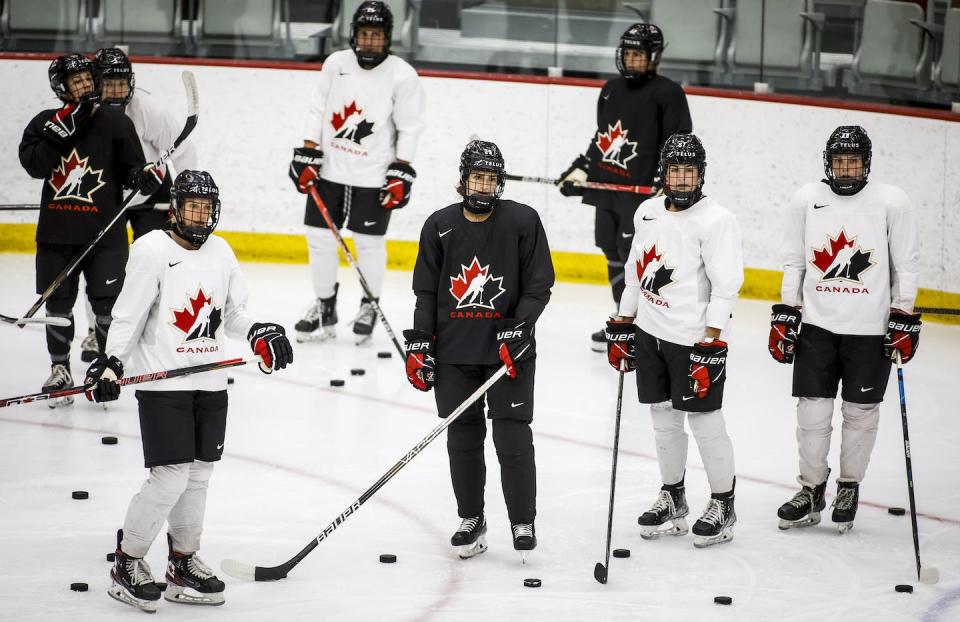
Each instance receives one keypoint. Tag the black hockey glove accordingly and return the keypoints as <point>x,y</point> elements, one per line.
<point>708,365</point>
<point>516,343</point>
<point>784,331</point>
<point>305,167</point>
<point>620,345</point>
<point>148,179</point>
<point>66,122</point>
<point>395,193</point>
<point>270,343</point>
<point>421,363</point>
<point>903,336</point>
<point>571,179</point>
<point>101,379</point>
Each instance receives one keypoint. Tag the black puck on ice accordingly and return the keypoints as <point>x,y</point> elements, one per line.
<point>531,582</point>
<point>384,355</point>
<point>357,371</point>
<point>80,494</point>
<point>621,553</point>
<point>229,380</point>
<point>111,557</point>
<point>388,558</point>
<point>722,600</point>
<point>79,587</point>
<point>337,383</point>
<point>896,511</point>
<point>906,589</point>
<point>108,440</point>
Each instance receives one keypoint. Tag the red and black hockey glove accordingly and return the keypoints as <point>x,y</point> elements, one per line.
<point>784,331</point>
<point>571,179</point>
<point>305,167</point>
<point>148,179</point>
<point>66,122</point>
<point>621,337</point>
<point>421,363</point>
<point>395,192</point>
<point>708,364</point>
<point>516,343</point>
<point>270,343</point>
<point>102,376</point>
<point>903,336</point>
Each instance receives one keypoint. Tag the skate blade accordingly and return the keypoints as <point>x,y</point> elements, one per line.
<point>189,596</point>
<point>596,346</point>
<point>320,335</point>
<point>523,557</point>
<point>808,521</point>
<point>60,402</point>
<point>678,527</point>
<point>844,527</point>
<point>472,550</point>
<point>117,593</point>
<point>702,542</point>
<point>359,339</point>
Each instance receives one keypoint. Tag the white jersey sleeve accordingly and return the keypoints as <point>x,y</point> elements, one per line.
<point>722,253</point>
<point>904,239</point>
<point>408,114</point>
<point>313,128</point>
<point>141,287</point>
<point>794,252</point>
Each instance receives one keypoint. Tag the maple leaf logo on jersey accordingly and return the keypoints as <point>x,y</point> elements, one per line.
<point>615,147</point>
<point>652,272</point>
<point>475,286</point>
<point>350,124</point>
<point>74,179</point>
<point>842,258</point>
<point>199,319</point>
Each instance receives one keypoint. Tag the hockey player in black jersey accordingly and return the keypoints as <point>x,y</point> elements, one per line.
<point>636,113</point>
<point>85,154</point>
<point>482,278</point>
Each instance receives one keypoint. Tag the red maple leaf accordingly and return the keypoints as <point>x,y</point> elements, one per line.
<point>61,173</point>
<point>824,257</point>
<point>648,255</point>
<point>184,319</point>
<point>460,284</point>
<point>338,119</point>
<point>606,139</point>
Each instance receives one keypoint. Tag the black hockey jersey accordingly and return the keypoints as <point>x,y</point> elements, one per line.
<point>470,274</point>
<point>82,188</point>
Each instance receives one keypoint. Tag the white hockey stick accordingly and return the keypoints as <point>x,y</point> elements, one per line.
<point>50,321</point>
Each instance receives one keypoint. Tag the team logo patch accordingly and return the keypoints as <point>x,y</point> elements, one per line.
<point>74,179</point>
<point>654,275</point>
<point>199,319</point>
<point>614,146</point>
<point>842,259</point>
<point>475,287</point>
<point>349,124</point>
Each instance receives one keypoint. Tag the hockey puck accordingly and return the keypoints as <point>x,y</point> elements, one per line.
<point>388,558</point>
<point>896,511</point>
<point>337,383</point>
<point>384,355</point>
<point>229,380</point>
<point>111,557</point>
<point>531,582</point>
<point>108,440</point>
<point>621,553</point>
<point>722,600</point>
<point>80,494</point>
<point>79,587</point>
<point>906,589</point>
<point>357,372</point>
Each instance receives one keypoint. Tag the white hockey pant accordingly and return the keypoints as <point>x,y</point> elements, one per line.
<point>709,431</point>
<point>858,436</point>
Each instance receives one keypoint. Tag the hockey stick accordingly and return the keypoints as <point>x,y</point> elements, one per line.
<point>600,570</point>
<point>50,321</point>
<point>15,207</point>
<point>193,103</point>
<point>928,575</point>
<point>148,377</point>
<point>353,262</point>
<point>590,185</point>
<point>937,310</point>
<point>247,572</point>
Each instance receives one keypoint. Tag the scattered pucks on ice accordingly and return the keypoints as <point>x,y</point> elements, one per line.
<point>621,553</point>
<point>384,355</point>
<point>79,587</point>
<point>337,383</point>
<point>357,371</point>
<point>388,558</point>
<point>531,582</point>
<point>80,494</point>
<point>906,589</point>
<point>111,557</point>
<point>722,600</point>
<point>229,380</point>
<point>896,511</point>
<point>108,440</point>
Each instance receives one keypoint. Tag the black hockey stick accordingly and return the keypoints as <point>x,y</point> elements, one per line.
<point>193,104</point>
<point>148,377</point>
<point>600,570</point>
<point>15,207</point>
<point>929,575</point>
<point>248,572</point>
<point>353,262</point>
<point>937,310</point>
<point>51,321</point>
<point>590,185</point>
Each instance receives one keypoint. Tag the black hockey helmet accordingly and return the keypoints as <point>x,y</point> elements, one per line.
<point>683,148</point>
<point>67,65</point>
<point>112,63</point>
<point>851,139</point>
<point>645,37</point>
<point>194,185</point>
<point>481,155</point>
<point>377,14</point>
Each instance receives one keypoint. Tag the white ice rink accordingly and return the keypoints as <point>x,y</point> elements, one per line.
<point>298,452</point>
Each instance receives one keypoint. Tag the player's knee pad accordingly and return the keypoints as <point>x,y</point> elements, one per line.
<point>102,306</point>
<point>707,426</point>
<point>466,436</point>
<point>513,439</point>
<point>860,416</point>
<point>814,414</point>
<point>59,307</point>
<point>321,241</point>
<point>200,473</point>
<point>666,419</point>
<point>369,243</point>
<point>166,483</point>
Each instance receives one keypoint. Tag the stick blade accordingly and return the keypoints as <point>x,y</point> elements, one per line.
<point>929,575</point>
<point>193,95</point>
<point>600,573</point>
<point>238,570</point>
<point>49,321</point>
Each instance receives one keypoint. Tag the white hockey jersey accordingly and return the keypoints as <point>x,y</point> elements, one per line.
<point>684,271</point>
<point>175,309</point>
<point>364,119</point>
<point>848,259</point>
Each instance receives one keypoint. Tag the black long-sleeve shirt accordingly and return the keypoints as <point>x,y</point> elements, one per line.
<point>83,181</point>
<point>470,274</point>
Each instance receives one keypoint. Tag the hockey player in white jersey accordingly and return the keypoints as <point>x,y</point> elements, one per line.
<point>852,264</point>
<point>359,142</point>
<point>683,275</point>
<point>183,293</point>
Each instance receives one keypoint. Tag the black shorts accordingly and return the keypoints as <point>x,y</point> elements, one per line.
<point>508,398</point>
<point>825,358</point>
<point>663,373</point>
<point>103,269</point>
<point>182,426</point>
<point>363,212</point>
<point>613,221</point>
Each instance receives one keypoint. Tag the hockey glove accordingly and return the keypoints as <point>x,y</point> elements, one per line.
<point>571,180</point>
<point>784,330</point>
<point>66,122</point>
<point>516,343</point>
<point>148,179</point>
<point>395,192</point>
<point>101,379</point>
<point>621,337</point>
<point>305,167</point>
<point>708,364</point>
<point>421,372</point>
<point>903,336</point>
<point>270,343</point>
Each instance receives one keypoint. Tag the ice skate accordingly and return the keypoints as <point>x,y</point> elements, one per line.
<point>667,516</point>
<point>132,582</point>
<point>845,504</point>
<point>598,341</point>
<point>89,348</point>
<point>190,581</point>
<point>805,507</point>
<point>320,321</point>
<point>524,539</point>
<point>470,538</point>
<point>365,320</point>
<point>716,524</point>
<point>59,378</point>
